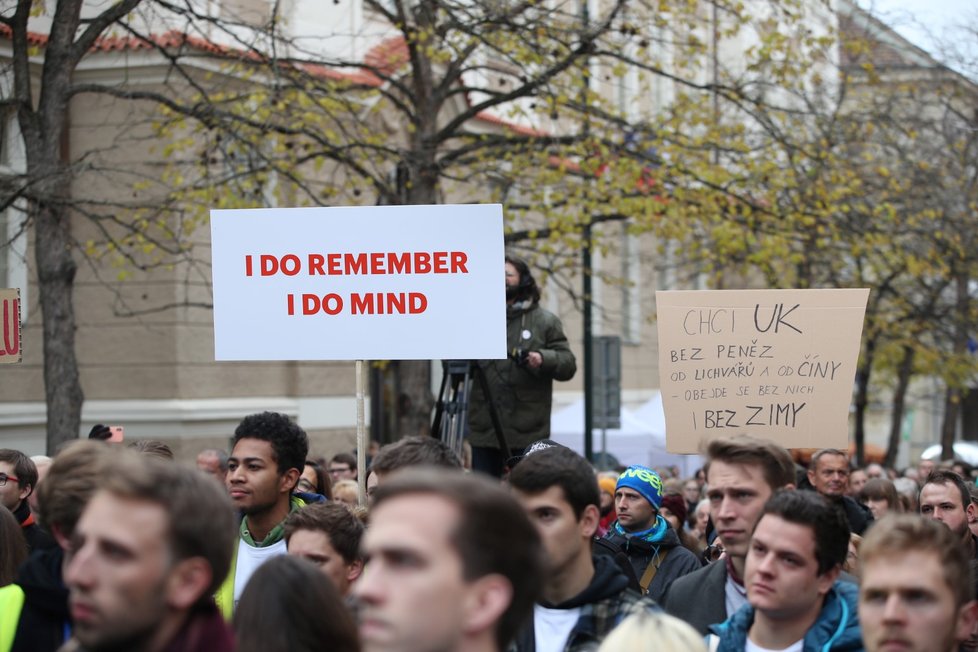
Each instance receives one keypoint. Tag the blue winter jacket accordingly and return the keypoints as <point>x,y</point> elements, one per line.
<point>836,629</point>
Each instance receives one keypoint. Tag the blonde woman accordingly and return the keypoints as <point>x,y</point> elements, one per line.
<point>653,632</point>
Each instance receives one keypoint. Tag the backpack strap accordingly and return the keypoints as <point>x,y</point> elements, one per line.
<point>646,580</point>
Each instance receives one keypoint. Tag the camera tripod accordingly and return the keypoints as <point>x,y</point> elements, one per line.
<point>452,409</point>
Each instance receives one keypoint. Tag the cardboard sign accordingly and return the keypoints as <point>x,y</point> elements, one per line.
<point>778,364</point>
<point>10,347</point>
<point>359,283</point>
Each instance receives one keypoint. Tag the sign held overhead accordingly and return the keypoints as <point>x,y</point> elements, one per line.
<point>359,283</point>
<point>778,364</point>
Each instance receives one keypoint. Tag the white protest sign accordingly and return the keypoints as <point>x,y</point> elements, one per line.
<point>778,364</point>
<point>359,283</point>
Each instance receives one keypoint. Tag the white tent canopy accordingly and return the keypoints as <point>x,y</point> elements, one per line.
<point>640,440</point>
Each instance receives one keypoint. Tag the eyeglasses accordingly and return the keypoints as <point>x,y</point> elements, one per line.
<point>305,485</point>
<point>4,477</point>
<point>339,469</point>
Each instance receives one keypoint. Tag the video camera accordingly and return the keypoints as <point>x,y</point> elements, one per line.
<point>520,356</point>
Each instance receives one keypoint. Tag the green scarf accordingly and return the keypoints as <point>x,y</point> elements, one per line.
<point>277,532</point>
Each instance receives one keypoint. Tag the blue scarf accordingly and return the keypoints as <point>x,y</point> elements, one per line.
<point>652,535</point>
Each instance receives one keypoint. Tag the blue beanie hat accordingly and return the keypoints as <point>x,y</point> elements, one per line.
<point>643,480</point>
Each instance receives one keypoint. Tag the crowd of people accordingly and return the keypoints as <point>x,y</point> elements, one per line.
<point>108,547</point>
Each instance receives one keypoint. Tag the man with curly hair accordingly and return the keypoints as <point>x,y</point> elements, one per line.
<point>267,457</point>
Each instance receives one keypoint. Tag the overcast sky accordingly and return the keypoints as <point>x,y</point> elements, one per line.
<point>921,21</point>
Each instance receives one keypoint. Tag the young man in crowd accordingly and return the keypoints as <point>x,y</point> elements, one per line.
<point>34,610</point>
<point>916,590</point>
<point>584,595</point>
<point>742,474</point>
<point>342,466</point>
<point>18,479</point>
<point>944,497</point>
<point>267,457</point>
<point>452,564</point>
<point>793,563</point>
<point>640,532</point>
<point>152,545</point>
<point>410,452</point>
<point>328,535</point>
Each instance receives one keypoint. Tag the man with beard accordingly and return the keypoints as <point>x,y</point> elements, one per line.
<point>642,533</point>
<point>916,589</point>
<point>267,457</point>
<point>828,473</point>
<point>585,595</point>
<point>945,498</point>
<point>520,386</point>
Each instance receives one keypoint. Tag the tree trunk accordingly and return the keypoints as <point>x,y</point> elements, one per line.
<point>862,400</point>
<point>56,274</point>
<point>44,129</point>
<point>904,374</point>
<point>949,428</point>
<point>952,400</point>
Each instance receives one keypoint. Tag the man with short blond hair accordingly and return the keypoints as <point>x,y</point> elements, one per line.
<point>917,591</point>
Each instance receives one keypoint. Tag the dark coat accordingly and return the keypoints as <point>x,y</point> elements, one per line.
<point>699,598</point>
<point>678,562</point>
<point>44,616</point>
<point>605,602</point>
<point>522,396</point>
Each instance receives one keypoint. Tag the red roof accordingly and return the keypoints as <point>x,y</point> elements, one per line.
<point>386,58</point>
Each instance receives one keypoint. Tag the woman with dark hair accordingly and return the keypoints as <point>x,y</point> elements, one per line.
<point>289,605</point>
<point>521,385</point>
<point>880,495</point>
<point>13,546</point>
<point>314,480</point>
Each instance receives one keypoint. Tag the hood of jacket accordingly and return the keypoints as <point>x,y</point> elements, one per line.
<point>608,581</point>
<point>836,628</point>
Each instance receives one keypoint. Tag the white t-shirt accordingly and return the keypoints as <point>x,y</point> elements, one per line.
<point>249,559</point>
<point>552,627</point>
<point>794,647</point>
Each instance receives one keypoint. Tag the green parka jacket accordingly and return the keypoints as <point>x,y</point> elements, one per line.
<point>522,396</point>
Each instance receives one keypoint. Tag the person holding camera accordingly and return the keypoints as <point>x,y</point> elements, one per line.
<point>520,386</point>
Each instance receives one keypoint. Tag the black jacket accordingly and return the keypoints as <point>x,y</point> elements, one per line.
<point>858,515</point>
<point>678,562</point>
<point>605,602</point>
<point>44,617</point>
